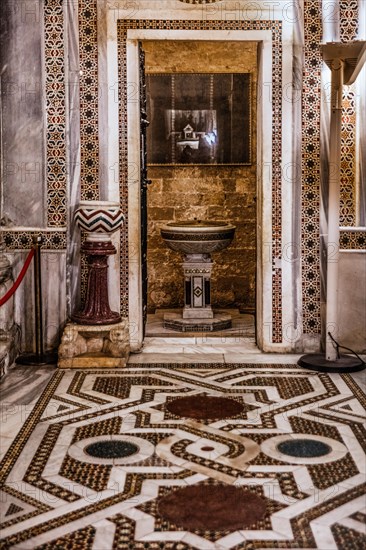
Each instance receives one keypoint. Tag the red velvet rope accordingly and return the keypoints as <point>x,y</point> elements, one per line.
<point>20,277</point>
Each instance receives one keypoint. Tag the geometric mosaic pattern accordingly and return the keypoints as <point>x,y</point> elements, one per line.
<point>203,25</point>
<point>22,240</point>
<point>88,96</point>
<point>56,122</point>
<point>348,20</point>
<point>89,146</point>
<point>349,15</point>
<point>352,240</point>
<point>310,167</point>
<point>57,495</point>
<point>347,212</point>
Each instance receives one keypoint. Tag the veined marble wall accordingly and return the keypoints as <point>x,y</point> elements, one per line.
<point>33,188</point>
<point>22,96</point>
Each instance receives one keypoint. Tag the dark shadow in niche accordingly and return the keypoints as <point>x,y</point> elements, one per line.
<point>199,118</point>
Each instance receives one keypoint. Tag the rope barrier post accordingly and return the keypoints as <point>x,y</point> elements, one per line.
<point>37,243</point>
<point>40,357</point>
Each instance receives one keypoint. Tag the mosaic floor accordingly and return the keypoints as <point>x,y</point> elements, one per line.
<point>199,456</point>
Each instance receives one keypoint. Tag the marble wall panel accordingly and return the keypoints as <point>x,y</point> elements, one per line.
<point>351,331</point>
<point>53,265</point>
<point>21,69</point>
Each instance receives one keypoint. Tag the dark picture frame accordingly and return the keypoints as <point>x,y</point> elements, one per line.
<point>199,118</point>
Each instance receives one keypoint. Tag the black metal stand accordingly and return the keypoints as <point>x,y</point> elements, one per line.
<point>318,362</point>
<point>40,357</point>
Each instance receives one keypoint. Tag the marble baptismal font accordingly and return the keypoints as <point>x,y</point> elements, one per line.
<point>197,239</point>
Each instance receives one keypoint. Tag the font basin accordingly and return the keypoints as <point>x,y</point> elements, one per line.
<point>198,236</point>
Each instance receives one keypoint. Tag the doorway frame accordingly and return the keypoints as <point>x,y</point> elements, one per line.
<point>264,156</point>
<point>266,265</point>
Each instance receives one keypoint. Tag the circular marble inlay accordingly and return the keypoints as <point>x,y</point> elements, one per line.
<point>115,449</point>
<point>111,449</point>
<point>206,448</point>
<point>203,407</point>
<point>304,448</point>
<point>212,507</point>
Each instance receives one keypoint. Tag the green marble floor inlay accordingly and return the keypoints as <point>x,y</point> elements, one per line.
<point>304,448</point>
<point>111,449</point>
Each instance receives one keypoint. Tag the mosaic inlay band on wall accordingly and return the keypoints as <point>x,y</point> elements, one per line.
<point>348,19</point>
<point>88,51</point>
<point>347,211</point>
<point>352,240</point>
<point>310,167</point>
<point>22,240</point>
<point>56,117</point>
<point>348,12</point>
<point>276,28</point>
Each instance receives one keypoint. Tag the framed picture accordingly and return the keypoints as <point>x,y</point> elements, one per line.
<point>199,118</point>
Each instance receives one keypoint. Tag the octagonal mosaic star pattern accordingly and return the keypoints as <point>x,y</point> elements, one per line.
<point>55,495</point>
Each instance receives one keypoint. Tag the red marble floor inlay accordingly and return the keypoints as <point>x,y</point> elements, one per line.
<point>203,407</point>
<point>212,507</point>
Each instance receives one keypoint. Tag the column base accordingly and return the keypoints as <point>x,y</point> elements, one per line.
<point>86,346</point>
<point>318,362</point>
<point>84,319</point>
<point>175,321</point>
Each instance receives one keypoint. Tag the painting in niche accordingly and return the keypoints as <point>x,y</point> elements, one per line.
<point>199,118</point>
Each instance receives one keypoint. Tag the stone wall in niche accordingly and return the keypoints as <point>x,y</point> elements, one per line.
<point>204,192</point>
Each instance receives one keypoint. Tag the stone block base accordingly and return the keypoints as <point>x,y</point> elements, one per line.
<point>9,348</point>
<point>94,346</point>
<point>195,313</point>
<point>176,322</point>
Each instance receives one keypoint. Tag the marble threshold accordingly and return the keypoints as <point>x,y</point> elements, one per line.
<point>243,325</point>
<point>185,347</point>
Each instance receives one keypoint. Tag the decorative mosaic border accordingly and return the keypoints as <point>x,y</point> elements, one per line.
<point>54,55</point>
<point>352,240</point>
<point>348,17</point>
<point>276,28</point>
<point>22,240</point>
<point>347,212</point>
<point>89,142</point>
<point>310,167</point>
